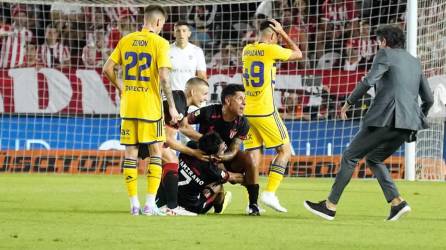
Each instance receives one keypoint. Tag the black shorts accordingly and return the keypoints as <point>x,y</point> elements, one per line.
<point>199,205</point>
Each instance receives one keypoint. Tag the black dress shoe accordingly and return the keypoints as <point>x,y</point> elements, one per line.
<point>397,211</point>
<point>320,209</point>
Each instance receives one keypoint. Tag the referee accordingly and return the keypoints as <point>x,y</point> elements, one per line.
<point>394,117</point>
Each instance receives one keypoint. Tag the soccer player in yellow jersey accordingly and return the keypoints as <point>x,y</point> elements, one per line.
<point>266,127</point>
<point>144,57</point>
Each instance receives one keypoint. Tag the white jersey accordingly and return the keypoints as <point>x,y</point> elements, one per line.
<point>185,63</point>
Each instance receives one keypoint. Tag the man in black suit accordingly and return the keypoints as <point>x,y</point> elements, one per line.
<point>393,118</point>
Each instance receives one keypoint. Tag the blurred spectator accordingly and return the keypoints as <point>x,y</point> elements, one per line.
<point>328,39</point>
<point>338,11</point>
<point>95,53</point>
<point>96,19</point>
<point>15,39</point>
<point>69,20</point>
<point>225,58</point>
<point>250,35</point>
<point>124,27</point>
<point>272,8</point>
<point>296,34</point>
<point>364,43</point>
<point>53,53</point>
<point>201,19</point>
<point>352,59</point>
<point>114,14</point>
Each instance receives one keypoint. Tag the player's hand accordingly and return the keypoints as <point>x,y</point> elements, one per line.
<point>175,116</point>
<point>201,156</point>
<point>344,110</point>
<point>277,26</point>
<point>217,158</point>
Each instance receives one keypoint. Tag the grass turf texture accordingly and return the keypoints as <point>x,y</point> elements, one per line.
<point>85,211</point>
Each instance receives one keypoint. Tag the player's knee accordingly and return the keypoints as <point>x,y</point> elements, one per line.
<point>155,149</point>
<point>131,152</point>
<point>284,152</point>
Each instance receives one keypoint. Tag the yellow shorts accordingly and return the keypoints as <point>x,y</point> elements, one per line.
<point>135,132</point>
<point>268,131</point>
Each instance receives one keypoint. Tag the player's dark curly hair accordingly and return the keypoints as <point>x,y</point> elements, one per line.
<point>393,34</point>
<point>230,90</point>
<point>210,143</point>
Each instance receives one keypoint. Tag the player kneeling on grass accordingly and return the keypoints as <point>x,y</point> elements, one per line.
<point>196,92</point>
<point>200,182</point>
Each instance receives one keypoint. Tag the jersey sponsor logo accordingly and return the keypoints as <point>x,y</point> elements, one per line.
<point>139,43</point>
<point>254,52</point>
<point>189,175</point>
<point>136,89</point>
<point>253,93</point>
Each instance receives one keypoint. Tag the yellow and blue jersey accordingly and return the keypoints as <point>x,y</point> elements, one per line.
<point>259,74</point>
<point>141,54</point>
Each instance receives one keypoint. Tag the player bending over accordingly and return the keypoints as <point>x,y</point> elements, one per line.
<point>200,182</point>
<point>228,121</point>
<point>196,92</point>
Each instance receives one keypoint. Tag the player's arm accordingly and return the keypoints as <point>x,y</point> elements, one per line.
<point>193,118</point>
<point>296,53</point>
<point>109,72</point>
<point>167,90</point>
<point>174,144</point>
<point>190,132</point>
<point>232,151</point>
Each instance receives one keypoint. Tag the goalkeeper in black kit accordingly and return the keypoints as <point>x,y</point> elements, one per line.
<point>200,182</point>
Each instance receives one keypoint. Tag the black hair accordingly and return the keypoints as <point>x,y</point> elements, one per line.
<point>230,90</point>
<point>155,8</point>
<point>181,23</point>
<point>210,143</point>
<point>393,34</point>
<point>265,24</point>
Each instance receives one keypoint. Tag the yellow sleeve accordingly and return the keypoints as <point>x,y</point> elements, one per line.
<point>163,55</point>
<point>116,54</point>
<point>277,52</point>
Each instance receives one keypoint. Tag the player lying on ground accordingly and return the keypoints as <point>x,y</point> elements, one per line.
<point>196,92</point>
<point>200,182</point>
<point>228,121</point>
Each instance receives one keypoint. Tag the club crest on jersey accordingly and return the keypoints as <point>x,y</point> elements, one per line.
<point>190,57</point>
<point>232,133</point>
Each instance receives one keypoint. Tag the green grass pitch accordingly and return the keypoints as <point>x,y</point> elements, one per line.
<point>91,212</point>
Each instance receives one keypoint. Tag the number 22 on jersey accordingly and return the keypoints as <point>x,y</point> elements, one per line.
<point>142,61</point>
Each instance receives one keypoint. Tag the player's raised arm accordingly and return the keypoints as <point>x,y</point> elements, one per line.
<point>277,27</point>
<point>167,90</point>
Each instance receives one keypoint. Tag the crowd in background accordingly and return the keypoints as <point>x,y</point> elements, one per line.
<point>331,33</point>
